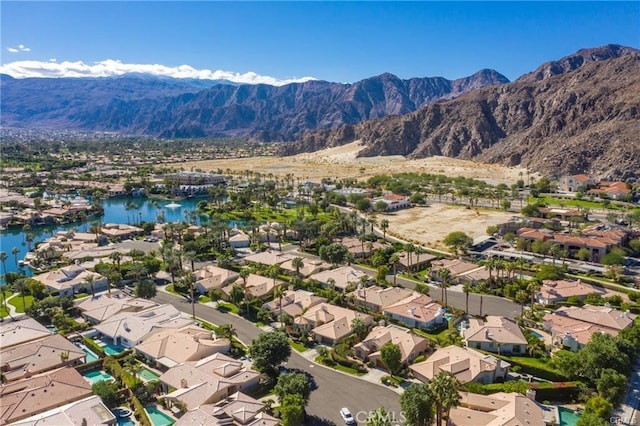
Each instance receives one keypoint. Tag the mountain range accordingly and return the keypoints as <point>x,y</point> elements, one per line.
<point>578,114</point>
<point>198,108</point>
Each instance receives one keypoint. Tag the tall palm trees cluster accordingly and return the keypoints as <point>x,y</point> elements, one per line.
<point>423,403</point>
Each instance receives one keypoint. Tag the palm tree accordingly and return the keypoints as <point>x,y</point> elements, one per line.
<point>393,261</point>
<point>444,274</point>
<point>532,288</point>
<point>3,259</point>
<point>190,256</point>
<point>90,280</point>
<point>554,251</point>
<point>384,225</point>
<point>379,417</point>
<point>466,288</point>
<point>521,297</point>
<point>278,294</point>
<point>116,257</point>
<point>190,280</point>
<point>298,264</point>
<point>227,331</point>
<point>15,251</point>
<point>444,388</point>
<point>114,277</point>
<point>359,328</point>
<point>409,249</point>
<point>21,287</point>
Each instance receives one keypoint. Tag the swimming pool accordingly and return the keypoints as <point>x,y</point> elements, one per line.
<point>538,335</point>
<point>567,417</point>
<point>96,376</point>
<point>158,418</point>
<point>148,375</point>
<point>112,349</point>
<point>91,356</point>
<point>126,421</point>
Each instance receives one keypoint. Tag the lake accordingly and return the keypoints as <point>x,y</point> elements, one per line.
<point>115,211</point>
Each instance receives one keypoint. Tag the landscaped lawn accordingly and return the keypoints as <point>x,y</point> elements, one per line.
<point>540,367</point>
<point>228,307</point>
<point>204,299</point>
<point>17,302</point>
<point>323,360</point>
<point>567,202</point>
<point>298,346</point>
<point>3,311</point>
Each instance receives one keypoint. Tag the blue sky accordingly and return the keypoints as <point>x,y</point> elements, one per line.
<point>335,41</point>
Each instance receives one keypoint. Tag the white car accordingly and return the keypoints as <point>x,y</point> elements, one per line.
<point>346,416</point>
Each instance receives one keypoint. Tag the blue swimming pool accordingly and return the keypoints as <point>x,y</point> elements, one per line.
<point>111,349</point>
<point>567,417</point>
<point>538,335</point>
<point>96,376</point>
<point>91,356</point>
<point>158,418</point>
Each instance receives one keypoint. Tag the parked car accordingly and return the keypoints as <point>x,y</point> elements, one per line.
<point>346,416</point>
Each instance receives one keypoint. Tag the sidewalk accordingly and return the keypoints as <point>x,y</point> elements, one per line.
<point>13,315</point>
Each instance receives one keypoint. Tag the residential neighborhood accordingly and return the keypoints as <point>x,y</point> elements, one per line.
<point>200,321</point>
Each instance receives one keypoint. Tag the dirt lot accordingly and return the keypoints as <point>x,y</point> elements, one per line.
<point>429,225</point>
<point>341,162</point>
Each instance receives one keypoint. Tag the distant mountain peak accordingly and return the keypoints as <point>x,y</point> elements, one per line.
<point>578,59</point>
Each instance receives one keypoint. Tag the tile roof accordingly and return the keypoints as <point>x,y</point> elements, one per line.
<point>464,363</point>
<point>494,329</point>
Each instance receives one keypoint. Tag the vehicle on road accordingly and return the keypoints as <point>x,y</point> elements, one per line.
<point>346,416</point>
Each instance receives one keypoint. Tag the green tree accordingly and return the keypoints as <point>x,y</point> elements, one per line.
<point>293,384</point>
<point>391,357</point>
<point>583,254</point>
<point>297,264</point>
<point>236,295</point>
<point>599,407</point>
<point>418,405</point>
<point>334,253</point>
<point>384,225</point>
<point>292,410</point>
<point>590,419</point>
<point>146,289</point>
<point>226,331</point>
<point>359,328</point>
<point>458,241</point>
<point>444,388</point>
<point>379,417</point>
<point>270,350</point>
<point>108,392</point>
<point>611,385</point>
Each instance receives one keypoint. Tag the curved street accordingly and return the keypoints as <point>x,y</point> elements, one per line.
<point>334,389</point>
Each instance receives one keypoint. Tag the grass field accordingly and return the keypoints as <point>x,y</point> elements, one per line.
<point>297,346</point>
<point>228,307</point>
<point>568,202</point>
<point>17,302</point>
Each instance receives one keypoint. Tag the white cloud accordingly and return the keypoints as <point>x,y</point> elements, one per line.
<point>20,48</point>
<point>53,60</point>
<point>110,67</point>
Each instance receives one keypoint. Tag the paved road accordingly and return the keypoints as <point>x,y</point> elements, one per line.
<point>491,305</point>
<point>334,390</point>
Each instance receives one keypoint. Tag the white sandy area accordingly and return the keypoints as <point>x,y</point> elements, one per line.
<point>341,162</point>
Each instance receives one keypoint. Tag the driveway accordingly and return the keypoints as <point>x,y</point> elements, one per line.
<point>334,389</point>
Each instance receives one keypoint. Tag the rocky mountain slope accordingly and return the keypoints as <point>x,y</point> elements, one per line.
<point>171,108</point>
<point>580,116</point>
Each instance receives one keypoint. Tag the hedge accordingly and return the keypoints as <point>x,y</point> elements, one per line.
<point>91,344</point>
<point>139,412</point>
<point>543,373</point>
<point>565,392</point>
